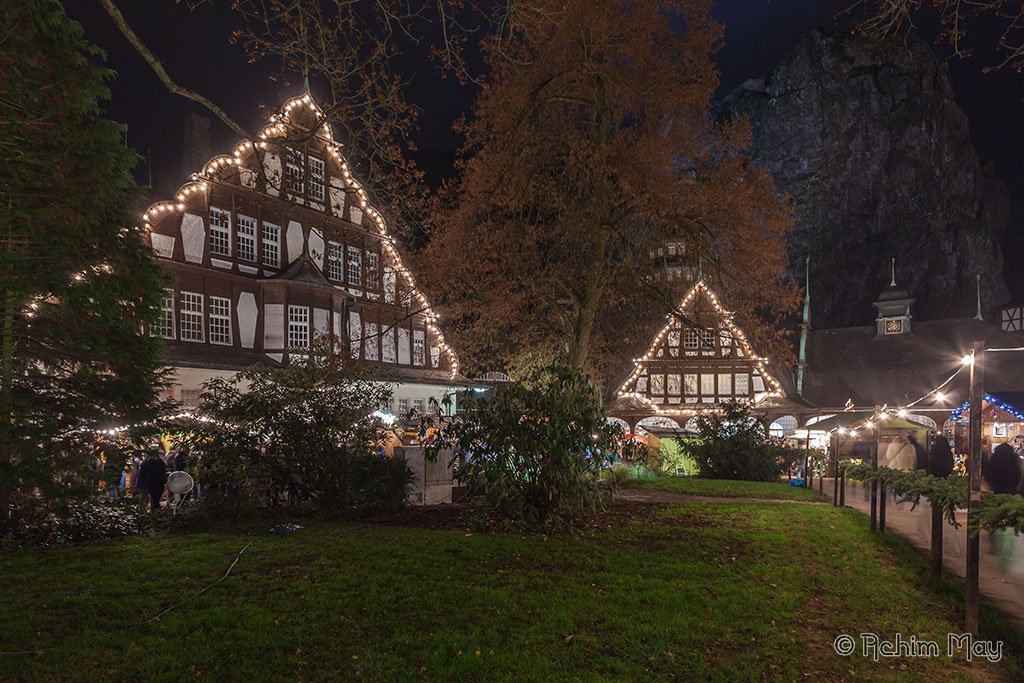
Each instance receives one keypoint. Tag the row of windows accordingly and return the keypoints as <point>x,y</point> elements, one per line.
<point>245,237</point>
<point>351,270</point>
<point>693,338</point>
<point>190,322</point>
<point>692,384</point>
<point>301,169</point>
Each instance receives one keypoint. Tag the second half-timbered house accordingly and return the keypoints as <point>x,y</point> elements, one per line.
<point>276,243</point>
<point>698,361</point>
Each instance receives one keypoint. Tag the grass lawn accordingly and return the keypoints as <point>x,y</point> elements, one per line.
<point>731,591</point>
<point>727,488</point>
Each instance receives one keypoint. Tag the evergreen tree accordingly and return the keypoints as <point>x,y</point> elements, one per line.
<point>77,282</point>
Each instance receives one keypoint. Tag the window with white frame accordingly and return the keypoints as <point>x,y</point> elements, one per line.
<point>419,356</point>
<point>220,320</point>
<point>355,266</point>
<point>220,231</point>
<point>707,385</point>
<point>190,398</point>
<point>246,238</point>
<point>742,385</point>
<point>418,404</point>
<point>403,405</point>
<point>293,172</point>
<point>672,385</point>
<point>657,384</point>
<point>298,327</point>
<point>707,339</point>
<point>271,245</point>
<point>690,384</point>
<point>316,179</point>
<point>690,339</point>
<point>724,384</point>
<point>336,261</point>
<point>165,323</point>
<point>191,322</point>
<point>372,270</point>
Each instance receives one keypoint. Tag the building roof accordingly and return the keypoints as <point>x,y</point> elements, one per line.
<point>854,363</point>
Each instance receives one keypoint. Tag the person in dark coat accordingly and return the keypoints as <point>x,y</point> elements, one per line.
<point>181,459</point>
<point>153,478</point>
<point>920,454</point>
<point>940,459</point>
<point>1003,470</point>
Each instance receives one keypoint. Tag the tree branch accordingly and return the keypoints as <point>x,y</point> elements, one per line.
<point>165,78</point>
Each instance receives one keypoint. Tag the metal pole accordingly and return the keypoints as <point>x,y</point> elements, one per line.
<point>874,482</point>
<point>842,491</point>
<point>974,488</point>
<point>807,458</point>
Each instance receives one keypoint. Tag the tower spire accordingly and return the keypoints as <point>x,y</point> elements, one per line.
<point>977,315</point>
<point>805,327</point>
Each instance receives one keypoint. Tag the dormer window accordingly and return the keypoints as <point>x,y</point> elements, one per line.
<point>293,165</point>
<point>316,179</point>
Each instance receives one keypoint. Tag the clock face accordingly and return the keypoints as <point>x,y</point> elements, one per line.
<point>893,326</point>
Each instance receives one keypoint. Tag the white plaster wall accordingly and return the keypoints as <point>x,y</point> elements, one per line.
<point>193,237</point>
<point>355,332</point>
<point>317,247</point>
<point>355,213</point>
<point>294,241</point>
<point>320,320</point>
<point>163,245</point>
<point>404,351</point>
<point>272,169</point>
<point>273,326</point>
<point>247,313</point>
<point>390,354</point>
<point>337,201</point>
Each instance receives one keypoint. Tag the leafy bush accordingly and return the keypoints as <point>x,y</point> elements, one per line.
<point>300,433</point>
<point>733,445</point>
<point>79,521</point>
<point>535,451</point>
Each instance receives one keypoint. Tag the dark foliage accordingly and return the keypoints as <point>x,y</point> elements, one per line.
<point>536,449</point>
<point>733,445</point>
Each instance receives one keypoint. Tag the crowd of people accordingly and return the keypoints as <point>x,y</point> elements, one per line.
<point>145,473</point>
<point>1002,469</point>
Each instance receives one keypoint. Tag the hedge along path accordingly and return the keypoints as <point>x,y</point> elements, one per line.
<point>997,512</point>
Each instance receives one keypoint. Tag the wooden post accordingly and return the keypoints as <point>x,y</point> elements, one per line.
<point>974,488</point>
<point>881,506</point>
<point>842,491</point>
<point>833,444</point>
<point>937,528</point>
<point>874,482</point>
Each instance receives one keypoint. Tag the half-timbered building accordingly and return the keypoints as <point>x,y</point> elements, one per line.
<point>699,360</point>
<point>276,243</point>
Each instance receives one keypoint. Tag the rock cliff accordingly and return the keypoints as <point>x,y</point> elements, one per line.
<point>867,139</point>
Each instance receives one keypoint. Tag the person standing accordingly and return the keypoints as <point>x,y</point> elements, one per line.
<point>153,478</point>
<point>940,459</point>
<point>920,454</point>
<point>900,454</point>
<point>1003,470</point>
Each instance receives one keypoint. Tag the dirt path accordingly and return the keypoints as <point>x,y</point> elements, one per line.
<point>646,495</point>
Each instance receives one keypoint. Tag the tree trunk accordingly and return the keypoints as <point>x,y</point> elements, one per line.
<point>6,407</point>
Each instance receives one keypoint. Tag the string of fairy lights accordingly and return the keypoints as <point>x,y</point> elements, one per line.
<point>726,317</point>
<point>277,128</point>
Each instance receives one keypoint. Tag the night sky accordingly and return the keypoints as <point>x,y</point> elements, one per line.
<point>194,48</point>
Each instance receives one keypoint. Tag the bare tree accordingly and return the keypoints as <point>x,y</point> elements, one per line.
<point>958,19</point>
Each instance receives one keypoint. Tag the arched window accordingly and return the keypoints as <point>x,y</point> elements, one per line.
<point>621,423</point>
<point>922,420</point>
<point>783,426</point>
<point>654,421</point>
